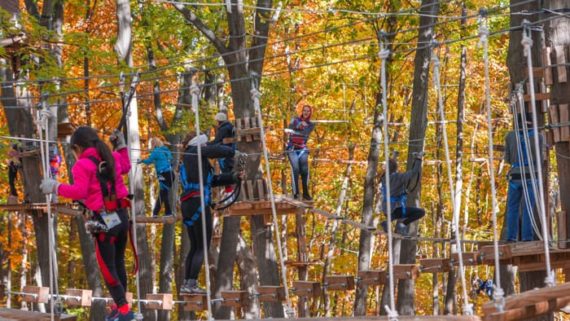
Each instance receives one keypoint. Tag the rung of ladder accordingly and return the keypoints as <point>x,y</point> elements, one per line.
<point>307,289</point>
<point>78,297</point>
<point>35,294</point>
<point>195,302</point>
<point>339,282</point>
<point>235,299</point>
<point>271,293</point>
<point>372,277</point>
<point>159,301</point>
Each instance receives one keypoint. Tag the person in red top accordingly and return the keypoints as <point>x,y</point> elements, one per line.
<point>98,183</point>
<point>299,130</point>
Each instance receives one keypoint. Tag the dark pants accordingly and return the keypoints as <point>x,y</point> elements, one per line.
<point>193,223</point>
<point>12,176</point>
<point>412,214</point>
<point>165,181</point>
<point>110,251</point>
<point>299,159</point>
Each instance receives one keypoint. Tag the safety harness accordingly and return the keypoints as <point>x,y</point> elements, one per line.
<point>111,204</point>
<point>401,199</point>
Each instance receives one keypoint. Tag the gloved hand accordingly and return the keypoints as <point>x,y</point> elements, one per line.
<point>49,185</point>
<point>118,140</point>
<point>419,155</point>
<point>46,114</point>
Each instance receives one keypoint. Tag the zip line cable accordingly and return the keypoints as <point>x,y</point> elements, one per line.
<point>195,91</point>
<point>498,293</point>
<point>229,53</point>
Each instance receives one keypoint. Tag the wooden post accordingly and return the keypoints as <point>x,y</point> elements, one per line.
<point>302,256</point>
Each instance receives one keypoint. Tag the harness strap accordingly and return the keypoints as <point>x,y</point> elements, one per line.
<point>135,254</point>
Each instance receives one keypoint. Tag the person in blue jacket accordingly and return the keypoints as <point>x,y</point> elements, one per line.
<point>161,157</point>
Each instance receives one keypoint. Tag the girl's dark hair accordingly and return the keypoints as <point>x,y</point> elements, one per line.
<point>86,137</point>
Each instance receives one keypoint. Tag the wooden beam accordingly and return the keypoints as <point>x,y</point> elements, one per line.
<point>435,265</point>
<point>166,219</point>
<point>538,97</point>
<point>20,315</point>
<point>339,283</point>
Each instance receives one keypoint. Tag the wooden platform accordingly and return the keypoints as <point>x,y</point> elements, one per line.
<point>385,318</point>
<point>65,209</point>
<point>283,205</point>
<point>530,304</point>
<point>167,219</point>
<point>17,315</point>
<point>528,256</point>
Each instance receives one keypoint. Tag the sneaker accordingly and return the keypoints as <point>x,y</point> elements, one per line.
<point>186,288</point>
<point>402,229</point>
<point>130,316</point>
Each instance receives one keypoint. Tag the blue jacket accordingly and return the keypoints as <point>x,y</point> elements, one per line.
<point>161,157</point>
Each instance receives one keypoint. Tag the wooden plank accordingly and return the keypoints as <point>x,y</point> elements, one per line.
<point>564,119</point>
<point>78,297</point>
<point>531,311</point>
<point>235,299</point>
<point>435,265</point>
<point>250,193</point>
<point>530,297</point>
<point>406,271</point>
<point>195,302</point>
<point>339,282</point>
<point>307,289</point>
<point>372,277</point>
<point>538,72</point>
<point>238,127</point>
<point>159,301</point>
<point>538,97</point>
<point>20,315</point>
<point>554,119</point>
<point>469,258</point>
<point>271,293</point>
<point>35,294</point>
<point>166,219</point>
<point>560,55</point>
<point>261,189</point>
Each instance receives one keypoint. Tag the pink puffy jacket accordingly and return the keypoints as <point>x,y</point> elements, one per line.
<point>86,187</point>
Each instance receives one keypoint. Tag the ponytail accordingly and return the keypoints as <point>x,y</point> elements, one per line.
<point>107,170</point>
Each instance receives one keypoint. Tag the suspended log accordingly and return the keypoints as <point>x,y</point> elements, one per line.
<point>195,302</point>
<point>271,293</point>
<point>235,299</point>
<point>339,283</point>
<point>35,294</point>
<point>78,297</point>
<point>307,289</point>
<point>372,277</point>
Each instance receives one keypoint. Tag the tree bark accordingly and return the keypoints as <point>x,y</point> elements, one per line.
<point>418,124</point>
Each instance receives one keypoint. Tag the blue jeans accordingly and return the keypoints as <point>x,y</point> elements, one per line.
<point>299,159</point>
<point>516,201</point>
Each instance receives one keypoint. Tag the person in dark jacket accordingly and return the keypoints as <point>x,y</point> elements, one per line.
<point>161,157</point>
<point>14,162</point>
<point>191,203</point>
<point>520,153</point>
<point>224,136</point>
<point>400,185</point>
<point>299,130</point>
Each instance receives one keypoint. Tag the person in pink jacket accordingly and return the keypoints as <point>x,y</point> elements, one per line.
<point>99,184</point>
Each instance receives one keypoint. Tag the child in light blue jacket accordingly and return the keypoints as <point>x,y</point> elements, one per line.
<point>161,157</point>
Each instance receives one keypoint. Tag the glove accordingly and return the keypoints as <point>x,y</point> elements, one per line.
<point>46,114</point>
<point>118,140</point>
<point>49,185</point>
<point>419,155</point>
<point>289,131</point>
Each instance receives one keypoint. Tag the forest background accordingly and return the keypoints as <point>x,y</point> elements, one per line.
<point>322,53</point>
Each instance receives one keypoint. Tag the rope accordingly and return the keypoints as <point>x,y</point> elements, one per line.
<point>255,94</point>
<point>195,91</point>
<point>467,307</point>
<point>43,124</point>
<point>384,54</point>
<point>498,294</point>
<point>527,44</point>
<point>519,94</point>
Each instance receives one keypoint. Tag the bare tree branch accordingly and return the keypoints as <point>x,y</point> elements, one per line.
<point>199,24</point>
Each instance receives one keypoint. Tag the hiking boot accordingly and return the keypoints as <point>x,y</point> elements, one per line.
<point>190,286</point>
<point>185,288</point>
<point>307,197</point>
<point>130,316</point>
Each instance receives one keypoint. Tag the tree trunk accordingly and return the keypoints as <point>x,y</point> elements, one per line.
<point>558,34</point>
<point>418,124</point>
<point>248,278</point>
<point>123,48</point>
<point>365,241</point>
